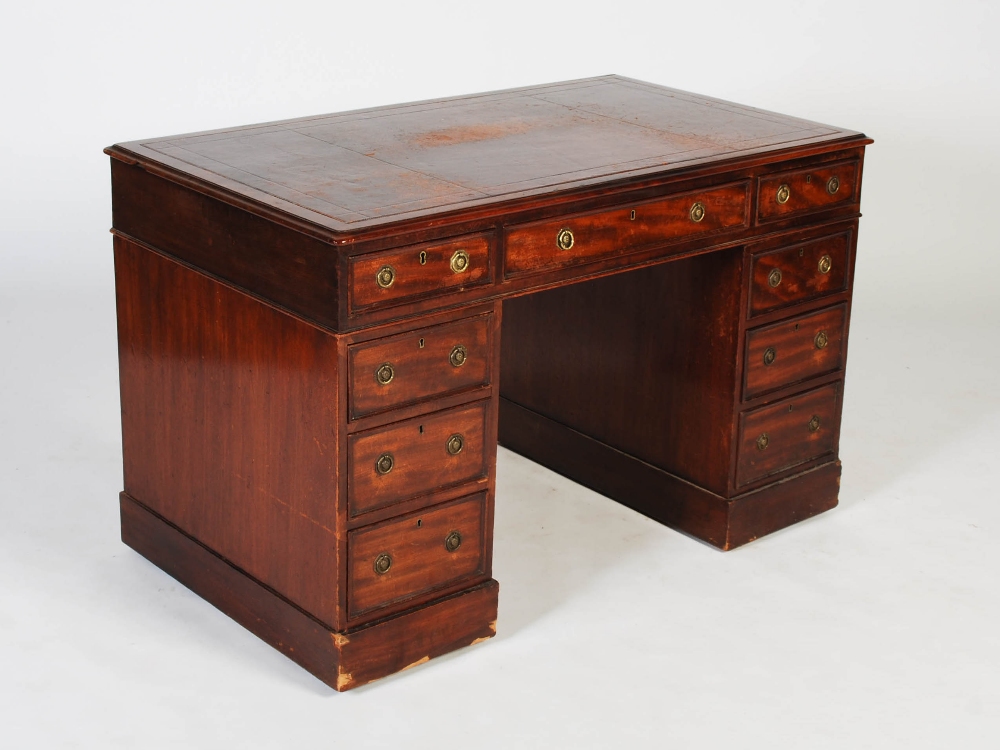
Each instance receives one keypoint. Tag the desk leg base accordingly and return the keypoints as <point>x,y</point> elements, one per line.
<point>341,660</point>
<point>723,522</point>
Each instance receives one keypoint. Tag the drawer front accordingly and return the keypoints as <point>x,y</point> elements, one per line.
<point>785,193</point>
<point>418,365</point>
<point>568,241</point>
<point>802,272</point>
<point>410,458</point>
<point>414,555</point>
<point>399,275</point>
<point>793,350</point>
<point>783,435</point>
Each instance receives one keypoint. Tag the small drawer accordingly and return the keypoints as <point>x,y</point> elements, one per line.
<point>399,275</point>
<point>577,239</point>
<point>793,350</point>
<point>418,365</point>
<point>785,193</point>
<point>403,460</point>
<point>783,435</point>
<point>802,272</point>
<point>414,555</point>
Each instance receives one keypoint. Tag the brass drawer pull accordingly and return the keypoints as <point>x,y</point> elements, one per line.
<point>459,261</point>
<point>821,340</point>
<point>384,464</point>
<point>833,185</point>
<point>813,423</point>
<point>385,374</point>
<point>762,441</point>
<point>697,212</point>
<point>784,193</point>
<point>564,240</point>
<point>453,541</point>
<point>385,276</point>
<point>769,356</point>
<point>382,564</point>
<point>774,278</point>
<point>458,356</point>
<point>455,444</point>
<point>825,264</point>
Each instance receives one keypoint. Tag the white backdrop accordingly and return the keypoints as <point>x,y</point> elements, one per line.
<point>872,625</point>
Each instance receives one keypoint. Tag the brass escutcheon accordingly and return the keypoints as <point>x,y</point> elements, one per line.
<point>769,356</point>
<point>813,423</point>
<point>384,464</point>
<point>762,441</point>
<point>774,278</point>
<point>833,185</point>
<point>385,276</point>
<point>784,193</point>
<point>825,264</point>
<point>821,340</point>
<point>453,541</point>
<point>459,261</point>
<point>385,374</point>
<point>455,444</point>
<point>382,564</point>
<point>458,356</point>
<point>697,212</point>
<point>564,240</point>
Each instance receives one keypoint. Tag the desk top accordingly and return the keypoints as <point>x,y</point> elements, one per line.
<point>360,170</point>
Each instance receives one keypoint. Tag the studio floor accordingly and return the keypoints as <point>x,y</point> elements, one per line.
<point>873,625</point>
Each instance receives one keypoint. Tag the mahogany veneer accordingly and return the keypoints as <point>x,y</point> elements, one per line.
<point>325,323</point>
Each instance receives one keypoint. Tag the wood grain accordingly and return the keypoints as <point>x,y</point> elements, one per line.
<point>807,190</point>
<point>801,278</point>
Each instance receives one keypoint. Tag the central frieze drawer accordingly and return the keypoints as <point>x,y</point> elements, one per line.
<point>418,365</point>
<point>795,349</point>
<point>403,460</point>
<point>555,243</point>
<point>414,555</point>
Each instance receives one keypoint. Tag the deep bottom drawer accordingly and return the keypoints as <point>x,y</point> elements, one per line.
<point>414,555</point>
<point>788,433</point>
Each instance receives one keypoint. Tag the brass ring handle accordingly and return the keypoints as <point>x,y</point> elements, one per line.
<point>769,356</point>
<point>825,264</point>
<point>459,261</point>
<point>833,185</point>
<point>385,277</point>
<point>455,444</point>
<point>453,541</point>
<point>458,356</point>
<point>783,194</point>
<point>382,564</point>
<point>564,240</point>
<point>774,278</point>
<point>697,212</point>
<point>384,464</point>
<point>385,374</point>
<point>821,340</point>
<point>762,441</point>
<point>813,423</point>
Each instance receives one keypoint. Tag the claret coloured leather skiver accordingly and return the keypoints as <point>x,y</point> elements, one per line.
<point>326,323</point>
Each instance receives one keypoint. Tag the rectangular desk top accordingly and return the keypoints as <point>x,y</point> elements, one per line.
<point>356,171</point>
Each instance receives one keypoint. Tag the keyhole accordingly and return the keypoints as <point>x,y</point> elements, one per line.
<point>421,342</point>
<point>809,178</point>
<point>421,429</point>
<point>632,215</point>
<point>796,326</point>
<point>423,257</point>
<point>419,523</point>
<point>802,252</point>
<point>789,407</point>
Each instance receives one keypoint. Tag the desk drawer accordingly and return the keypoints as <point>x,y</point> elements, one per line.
<point>786,193</point>
<point>397,275</point>
<point>406,459</point>
<point>793,350</point>
<point>783,435</point>
<point>568,241</point>
<point>802,272</point>
<point>414,555</point>
<point>420,364</point>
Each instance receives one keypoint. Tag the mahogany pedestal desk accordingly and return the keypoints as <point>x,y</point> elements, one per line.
<point>325,323</point>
